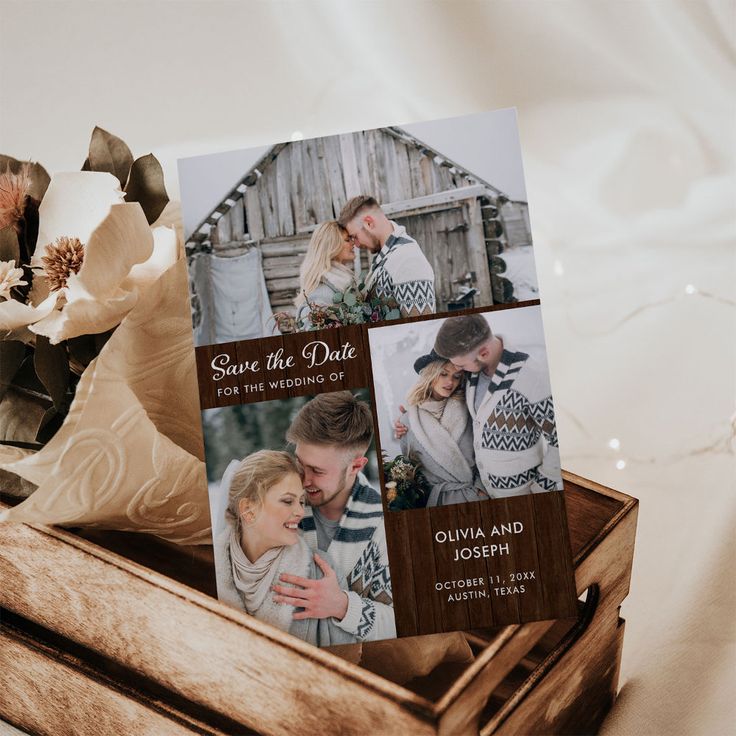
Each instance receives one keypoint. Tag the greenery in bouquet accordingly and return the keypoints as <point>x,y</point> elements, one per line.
<point>349,307</point>
<point>75,251</point>
<point>406,487</point>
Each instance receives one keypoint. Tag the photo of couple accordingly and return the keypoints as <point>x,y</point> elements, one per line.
<point>467,403</point>
<point>298,533</point>
<point>362,227</point>
<point>399,282</point>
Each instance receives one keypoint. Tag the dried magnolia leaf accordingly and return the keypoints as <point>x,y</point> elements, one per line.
<point>50,425</point>
<point>12,353</point>
<point>20,417</point>
<point>146,186</point>
<point>82,350</point>
<point>109,153</point>
<point>52,368</point>
<point>39,176</point>
<point>9,248</point>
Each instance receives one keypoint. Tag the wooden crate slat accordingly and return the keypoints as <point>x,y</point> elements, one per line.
<point>186,641</point>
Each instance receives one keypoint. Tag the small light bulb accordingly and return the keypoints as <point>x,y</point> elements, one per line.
<point>297,135</point>
<point>614,443</point>
<point>690,289</point>
<point>558,269</point>
<point>620,464</point>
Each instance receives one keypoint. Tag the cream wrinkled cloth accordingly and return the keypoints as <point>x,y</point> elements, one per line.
<point>129,455</point>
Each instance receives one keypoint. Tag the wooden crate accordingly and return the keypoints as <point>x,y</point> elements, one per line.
<point>111,633</point>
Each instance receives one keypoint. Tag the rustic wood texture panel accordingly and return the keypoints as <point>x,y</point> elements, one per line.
<point>543,547</point>
<point>355,372</point>
<point>51,693</point>
<point>192,645</point>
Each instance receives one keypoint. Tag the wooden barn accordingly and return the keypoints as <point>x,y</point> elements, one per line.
<point>460,221</point>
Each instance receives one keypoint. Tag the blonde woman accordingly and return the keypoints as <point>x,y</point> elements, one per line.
<point>326,269</point>
<point>440,432</point>
<point>261,540</point>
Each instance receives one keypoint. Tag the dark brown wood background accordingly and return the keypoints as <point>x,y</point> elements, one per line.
<point>417,562</point>
<point>357,370</point>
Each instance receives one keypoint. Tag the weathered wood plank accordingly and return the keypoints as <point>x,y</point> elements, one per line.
<point>515,223</point>
<point>298,194</point>
<point>394,189</point>
<point>310,184</point>
<point>444,197</point>
<point>415,172</point>
<point>350,165</point>
<point>237,220</point>
<point>279,284</point>
<point>360,142</point>
<point>224,229</point>
<point>475,238</point>
<point>404,168</point>
<point>426,167</point>
<point>283,195</point>
<point>377,165</point>
<point>283,299</point>
<point>333,162</point>
<point>268,197</point>
<point>281,268</point>
<point>321,194</point>
<point>253,213</point>
<point>288,248</point>
<point>48,692</point>
<point>275,263</point>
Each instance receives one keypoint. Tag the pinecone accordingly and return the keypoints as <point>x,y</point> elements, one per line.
<point>62,259</point>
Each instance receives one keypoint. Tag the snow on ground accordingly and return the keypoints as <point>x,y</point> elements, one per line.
<point>521,272</point>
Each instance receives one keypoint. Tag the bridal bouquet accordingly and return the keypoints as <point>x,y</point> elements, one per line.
<point>96,357</point>
<point>349,307</point>
<point>406,486</point>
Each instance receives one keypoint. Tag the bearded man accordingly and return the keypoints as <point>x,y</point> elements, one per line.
<point>344,517</point>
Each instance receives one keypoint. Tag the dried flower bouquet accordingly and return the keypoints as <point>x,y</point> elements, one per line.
<point>98,404</point>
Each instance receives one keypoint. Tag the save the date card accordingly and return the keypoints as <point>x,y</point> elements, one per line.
<point>380,437</point>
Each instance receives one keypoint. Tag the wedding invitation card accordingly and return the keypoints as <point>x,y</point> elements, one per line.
<point>380,438</point>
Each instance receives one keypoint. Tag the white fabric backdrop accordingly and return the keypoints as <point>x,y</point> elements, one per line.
<point>627,117</point>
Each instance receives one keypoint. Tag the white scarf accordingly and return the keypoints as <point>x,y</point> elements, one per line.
<point>254,579</point>
<point>441,434</point>
<point>339,277</point>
